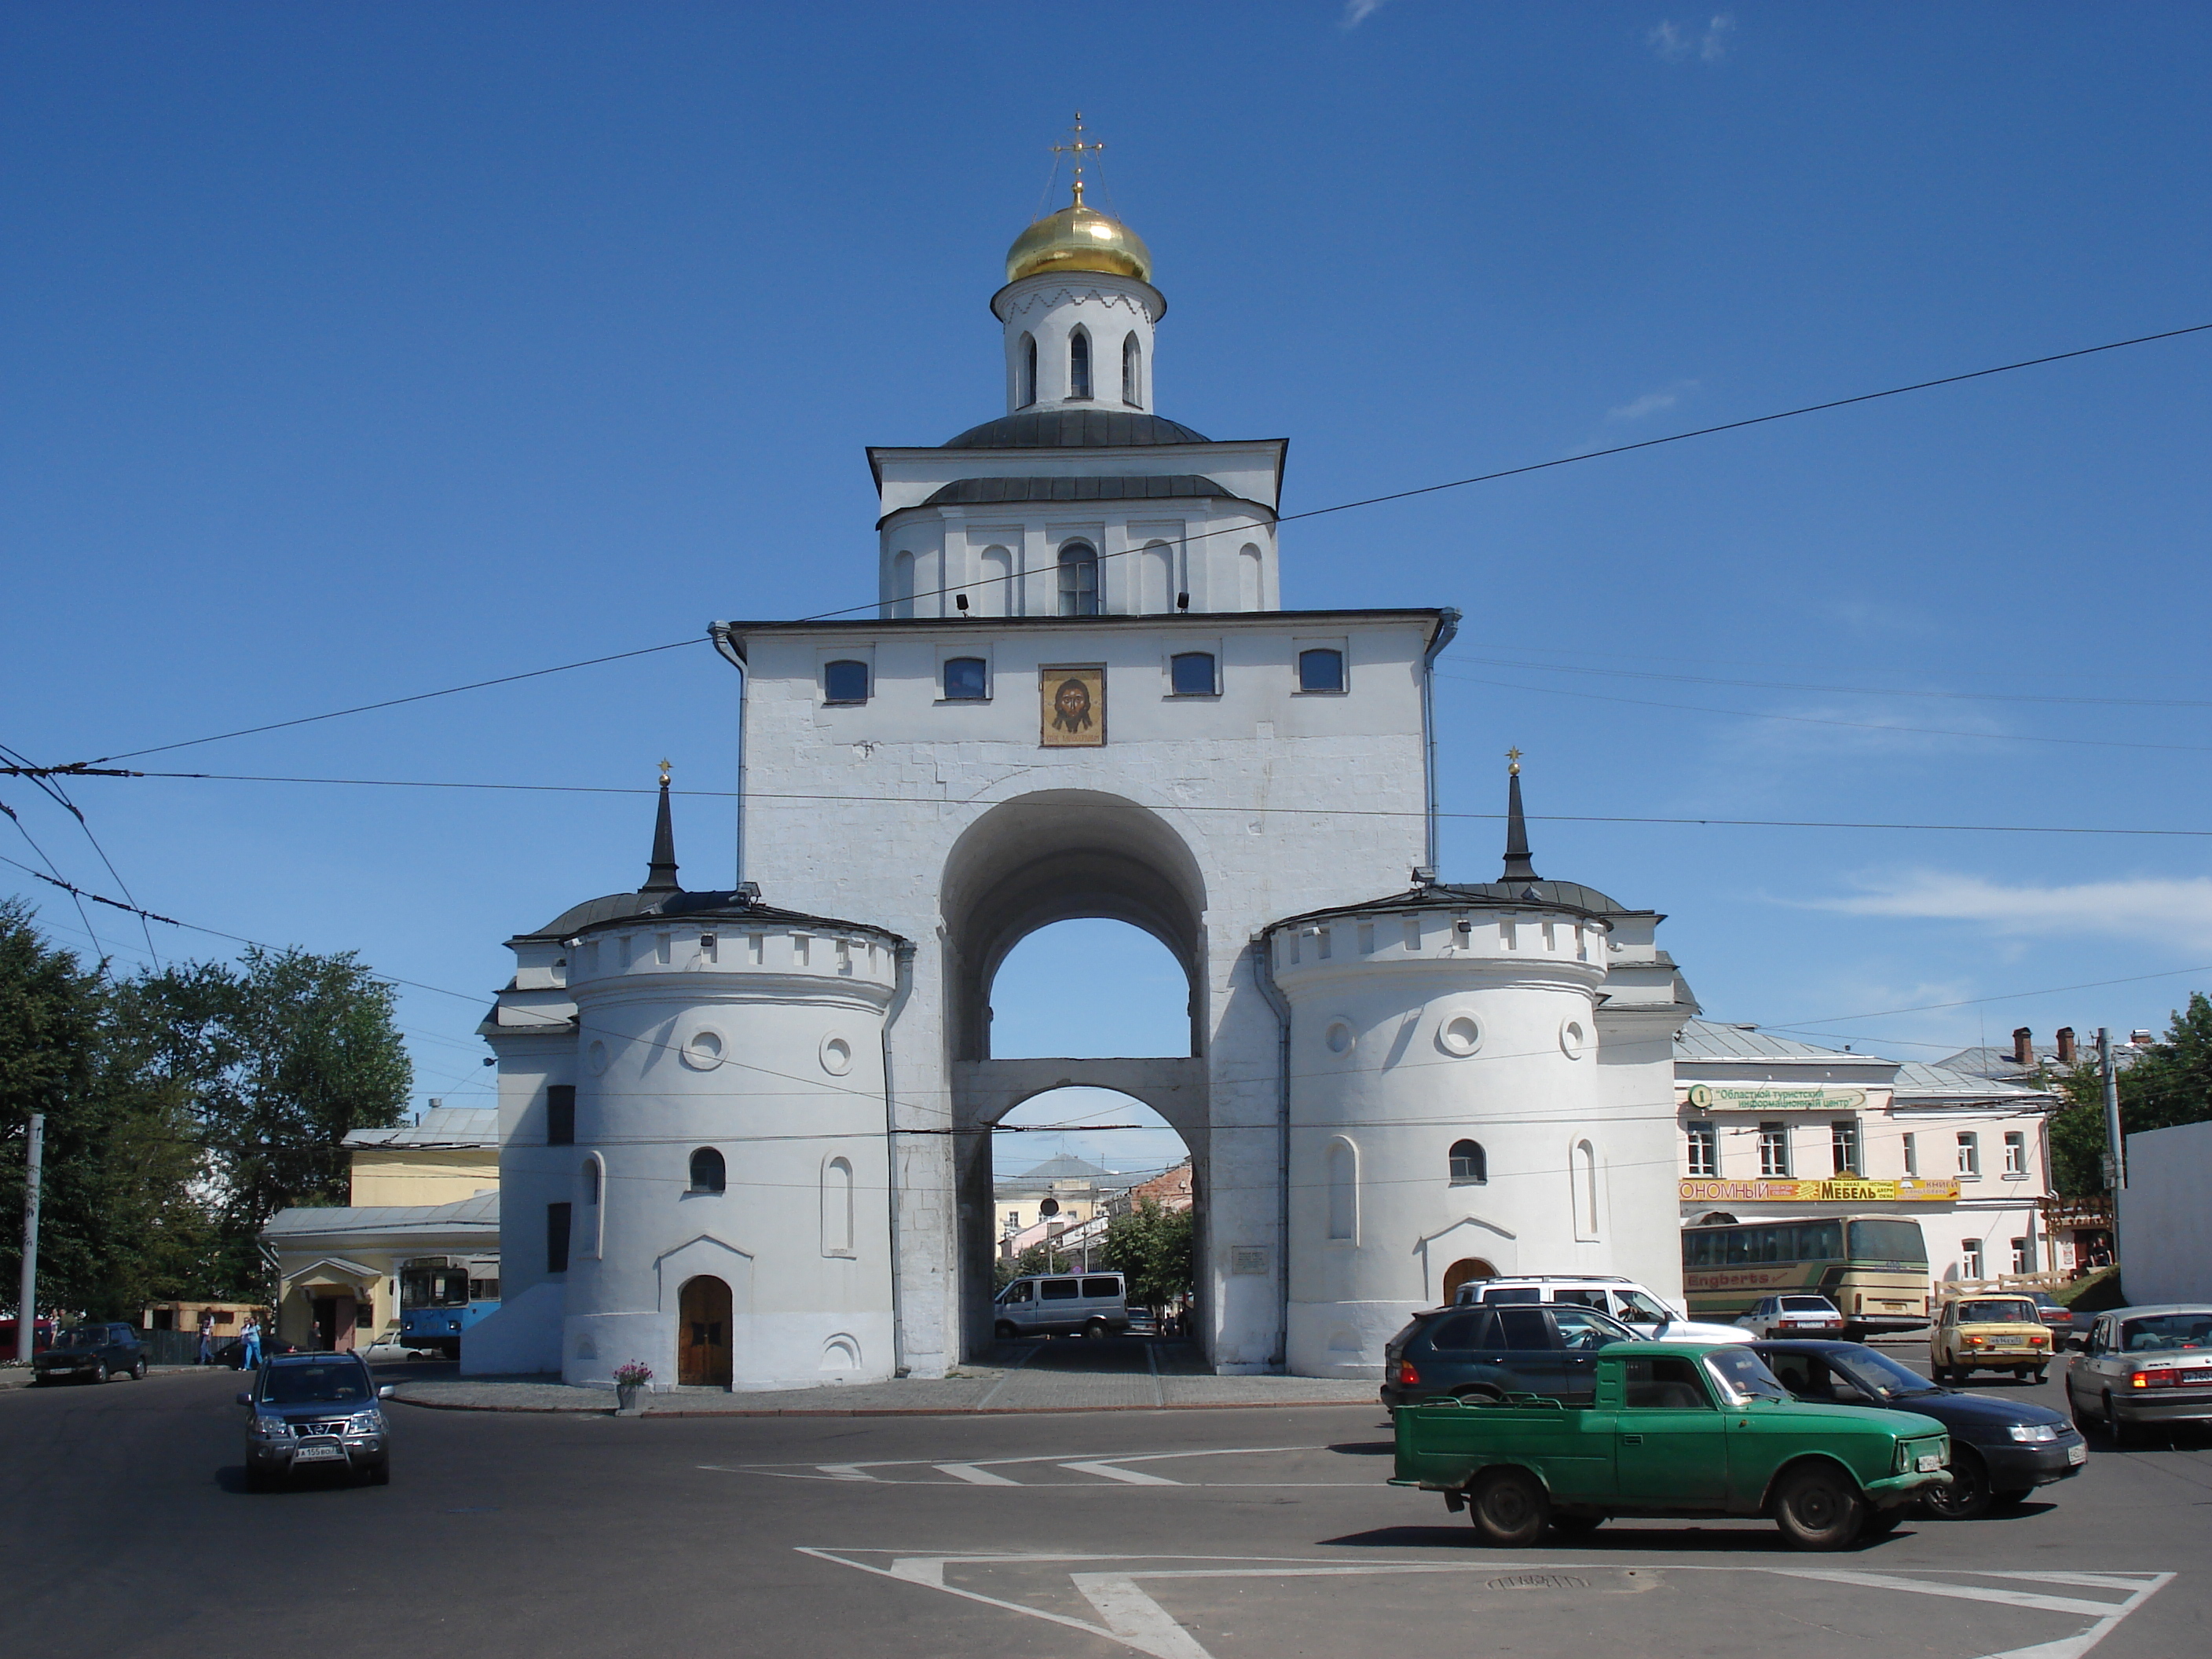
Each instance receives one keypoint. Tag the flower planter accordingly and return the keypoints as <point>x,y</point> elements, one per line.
<point>629,1399</point>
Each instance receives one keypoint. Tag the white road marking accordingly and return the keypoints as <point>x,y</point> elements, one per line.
<point>844,1471</point>
<point>974,1475</point>
<point>1130,1477</point>
<point>1136,1620</point>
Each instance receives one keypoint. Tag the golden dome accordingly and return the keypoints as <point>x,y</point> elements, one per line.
<point>1079,238</point>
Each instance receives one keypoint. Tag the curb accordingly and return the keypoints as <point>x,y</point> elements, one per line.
<point>891,1411</point>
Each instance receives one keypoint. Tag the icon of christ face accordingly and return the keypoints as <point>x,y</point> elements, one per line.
<point>1071,707</point>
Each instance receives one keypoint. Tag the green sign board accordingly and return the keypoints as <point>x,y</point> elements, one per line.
<point>1774,1097</point>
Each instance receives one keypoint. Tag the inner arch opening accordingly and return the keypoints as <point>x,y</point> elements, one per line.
<point>1092,987</point>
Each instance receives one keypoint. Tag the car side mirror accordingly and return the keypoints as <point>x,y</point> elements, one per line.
<point>384,1393</point>
<point>2078,1343</point>
<point>245,1399</point>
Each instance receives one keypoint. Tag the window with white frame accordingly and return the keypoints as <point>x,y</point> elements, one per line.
<point>1911,1153</point>
<point>1843,1146</point>
<point>1970,1258</point>
<point>1970,1154</point>
<point>2015,1145</point>
<point>1774,1149</point>
<point>2023,1255</point>
<point>1704,1149</point>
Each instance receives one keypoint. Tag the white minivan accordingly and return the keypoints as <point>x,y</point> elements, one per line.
<point>1632,1303</point>
<point>1062,1304</point>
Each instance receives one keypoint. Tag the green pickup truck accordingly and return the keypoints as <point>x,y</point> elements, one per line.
<point>1676,1429</point>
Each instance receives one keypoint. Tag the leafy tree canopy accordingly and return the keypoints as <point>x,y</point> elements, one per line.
<point>2170,1085</point>
<point>1151,1247</point>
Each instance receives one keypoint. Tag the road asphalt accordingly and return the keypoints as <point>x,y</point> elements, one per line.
<point>1186,1534</point>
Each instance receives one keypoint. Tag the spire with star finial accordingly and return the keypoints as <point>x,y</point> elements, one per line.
<point>1518,868</point>
<point>661,871</point>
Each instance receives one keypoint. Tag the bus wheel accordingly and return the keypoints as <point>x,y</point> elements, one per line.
<point>1509,1509</point>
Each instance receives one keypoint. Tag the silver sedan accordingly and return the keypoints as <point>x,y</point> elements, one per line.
<point>2143,1369</point>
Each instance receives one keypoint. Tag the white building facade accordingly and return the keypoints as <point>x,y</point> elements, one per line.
<point>1119,721</point>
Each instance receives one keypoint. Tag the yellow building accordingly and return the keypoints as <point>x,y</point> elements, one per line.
<point>451,1154</point>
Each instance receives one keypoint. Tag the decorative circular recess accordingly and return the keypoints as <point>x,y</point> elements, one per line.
<point>1573,1039</point>
<point>595,1057</point>
<point>703,1050</point>
<point>836,1055</point>
<point>1338,1036</point>
<point>1459,1034</point>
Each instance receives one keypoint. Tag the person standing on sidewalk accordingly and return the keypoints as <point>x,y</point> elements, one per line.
<point>249,1355</point>
<point>207,1339</point>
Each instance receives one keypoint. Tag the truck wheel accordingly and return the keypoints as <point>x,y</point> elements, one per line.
<point>1509,1509</point>
<point>1095,1329</point>
<point>1967,1497</point>
<point>1819,1509</point>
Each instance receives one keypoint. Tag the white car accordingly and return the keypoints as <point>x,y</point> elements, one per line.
<point>1776,1316</point>
<point>1634,1306</point>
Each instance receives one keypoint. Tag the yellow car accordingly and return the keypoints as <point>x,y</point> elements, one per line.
<point>1988,1334</point>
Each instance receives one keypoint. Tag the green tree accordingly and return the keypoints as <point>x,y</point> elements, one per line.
<point>2170,1085</point>
<point>1151,1247</point>
<point>279,1060</point>
<point>1037,1259</point>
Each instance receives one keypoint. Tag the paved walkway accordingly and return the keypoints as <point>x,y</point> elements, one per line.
<point>1070,1375</point>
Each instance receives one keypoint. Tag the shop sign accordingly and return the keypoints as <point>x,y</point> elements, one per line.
<point>1843,1191</point>
<point>1773,1097</point>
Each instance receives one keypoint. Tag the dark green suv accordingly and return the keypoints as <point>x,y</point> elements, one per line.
<point>1488,1353</point>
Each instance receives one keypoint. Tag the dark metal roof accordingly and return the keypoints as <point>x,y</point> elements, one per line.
<point>1075,429</point>
<point>1485,895</point>
<point>1176,486</point>
<point>732,906</point>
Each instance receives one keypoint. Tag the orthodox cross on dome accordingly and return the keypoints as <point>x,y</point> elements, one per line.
<point>1078,149</point>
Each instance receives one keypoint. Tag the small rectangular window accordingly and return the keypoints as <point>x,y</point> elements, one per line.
<point>2023,1261</point>
<point>557,1238</point>
<point>966,680</point>
<point>1912,1155</point>
<point>1321,669</point>
<point>1058,1289</point>
<point>845,681</point>
<point>2016,1155</point>
<point>1774,1149</point>
<point>1970,1153</point>
<point>1704,1149</point>
<point>1190,674</point>
<point>1108,1288</point>
<point>1970,1258</point>
<point>1844,1145</point>
<point>560,1115</point>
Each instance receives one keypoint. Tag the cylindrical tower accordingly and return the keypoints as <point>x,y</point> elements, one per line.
<point>727,1220</point>
<point>1079,309</point>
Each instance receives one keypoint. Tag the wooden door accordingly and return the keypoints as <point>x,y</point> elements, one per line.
<point>702,1333</point>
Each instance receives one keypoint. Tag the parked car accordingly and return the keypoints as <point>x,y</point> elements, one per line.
<point>1142,1322</point>
<point>310,1411</point>
<point>2001,1449</point>
<point>1794,1315</point>
<point>1481,1353</point>
<point>2055,1313</point>
<point>91,1353</point>
<point>1649,1316</point>
<point>1988,1334</point>
<point>2144,1368</point>
<point>1062,1304</point>
<point>1655,1442</point>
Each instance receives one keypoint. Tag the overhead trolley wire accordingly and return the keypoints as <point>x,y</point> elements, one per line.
<point>1280,519</point>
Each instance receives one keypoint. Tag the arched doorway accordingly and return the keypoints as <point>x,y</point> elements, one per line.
<point>1020,872</point>
<point>702,1333</point>
<point>1466,1271</point>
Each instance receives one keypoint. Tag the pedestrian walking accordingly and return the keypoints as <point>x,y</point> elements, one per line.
<point>207,1339</point>
<point>249,1355</point>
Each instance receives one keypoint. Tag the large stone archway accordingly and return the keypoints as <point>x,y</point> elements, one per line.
<point>1059,855</point>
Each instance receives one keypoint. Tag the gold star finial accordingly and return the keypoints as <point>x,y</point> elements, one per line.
<point>1514,756</point>
<point>664,775</point>
<point>1078,149</point>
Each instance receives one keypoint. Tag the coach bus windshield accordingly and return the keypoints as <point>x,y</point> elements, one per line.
<point>1888,1241</point>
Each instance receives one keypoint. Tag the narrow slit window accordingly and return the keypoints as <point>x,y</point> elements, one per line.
<point>561,1114</point>
<point>1029,370</point>
<point>1078,365</point>
<point>708,1173</point>
<point>1078,580</point>
<point>1133,372</point>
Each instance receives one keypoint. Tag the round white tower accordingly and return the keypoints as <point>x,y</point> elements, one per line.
<point>1079,309</point>
<point>1461,1106</point>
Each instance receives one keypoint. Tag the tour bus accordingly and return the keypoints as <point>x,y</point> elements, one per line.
<point>441,1295</point>
<point>1872,1268</point>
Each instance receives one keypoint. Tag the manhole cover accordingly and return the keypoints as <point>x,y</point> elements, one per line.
<point>1539,1581</point>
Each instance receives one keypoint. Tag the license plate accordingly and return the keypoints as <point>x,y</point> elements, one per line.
<point>1929,1462</point>
<point>2077,1454</point>
<point>319,1455</point>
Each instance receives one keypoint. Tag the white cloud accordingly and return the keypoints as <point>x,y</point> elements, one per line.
<point>1357,12</point>
<point>1651,403</point>
<point>1676,43</point>
<point>2149,910</point>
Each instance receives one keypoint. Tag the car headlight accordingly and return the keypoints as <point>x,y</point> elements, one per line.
<point>364,1423</point>
<point>2034,1432</point>
<point>272,1428</point>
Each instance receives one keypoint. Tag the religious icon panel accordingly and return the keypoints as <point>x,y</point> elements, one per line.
<point>1072,707</point>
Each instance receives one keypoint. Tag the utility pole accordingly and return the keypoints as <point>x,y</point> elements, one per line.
<point>2116,1150</point>
<point>26,1302</point>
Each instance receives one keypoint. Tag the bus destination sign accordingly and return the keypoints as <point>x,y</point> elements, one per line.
<point>1846,1190</point>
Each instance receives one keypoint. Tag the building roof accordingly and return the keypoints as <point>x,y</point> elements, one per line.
<point>738,906</point>
<point>442,1126</point>
<point>1169,486</point>
<point>1076,429</point>
<point>1712,1039</point>
<point>303,1224</point>
<point>1917,1081</point>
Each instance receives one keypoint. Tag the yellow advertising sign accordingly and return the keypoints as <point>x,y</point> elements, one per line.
<point>1844,1190</point>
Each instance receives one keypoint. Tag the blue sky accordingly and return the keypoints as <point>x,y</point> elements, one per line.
<point>351,352</point>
